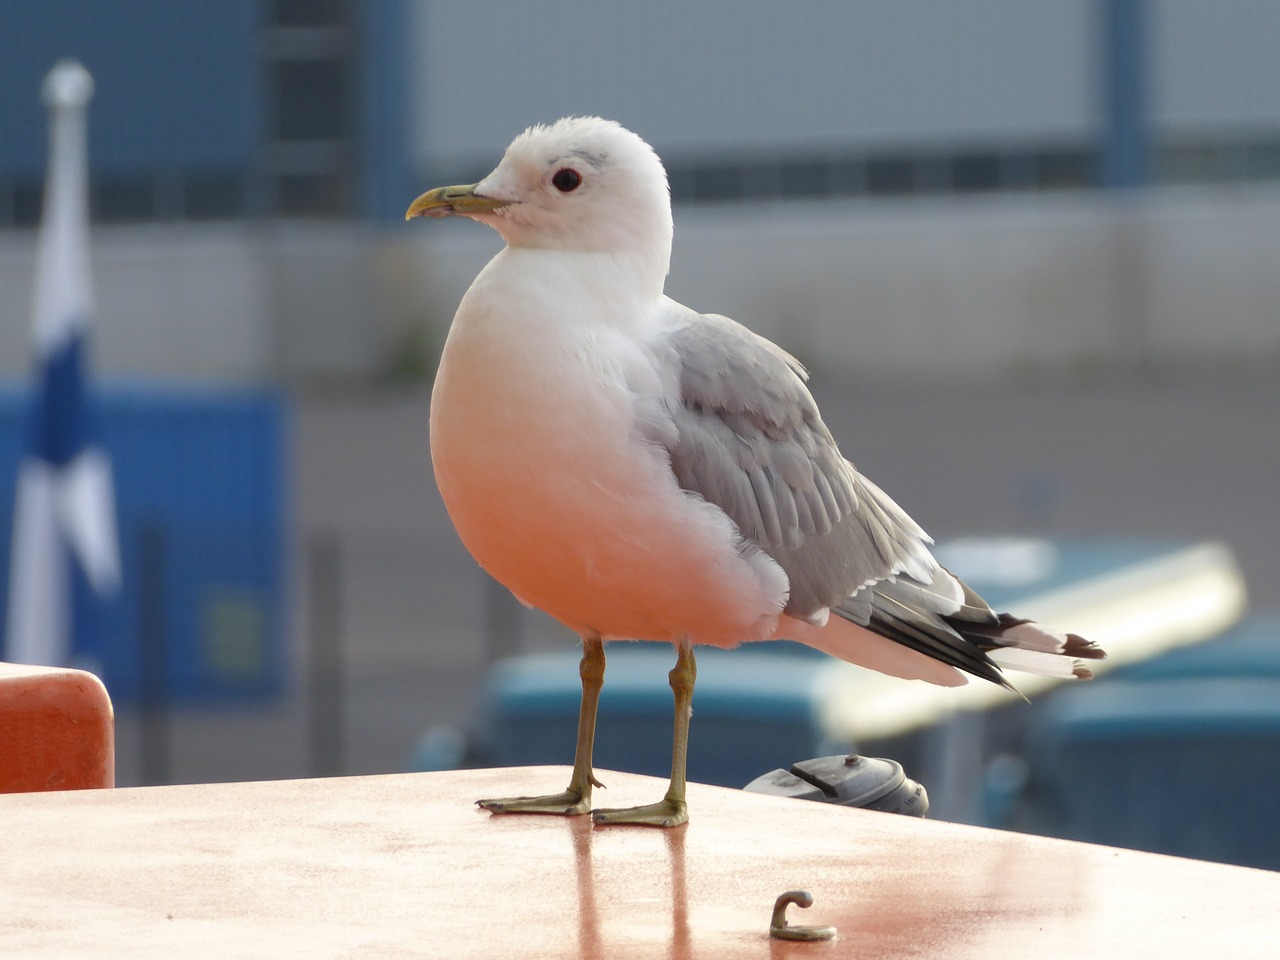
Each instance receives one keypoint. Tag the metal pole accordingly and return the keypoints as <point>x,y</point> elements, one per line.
<point>153,651</point>
<point>327,711</point>
<point>1124,157</point>
<point>384,134</point>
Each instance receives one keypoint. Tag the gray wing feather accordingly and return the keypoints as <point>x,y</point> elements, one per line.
<point>748,437</point>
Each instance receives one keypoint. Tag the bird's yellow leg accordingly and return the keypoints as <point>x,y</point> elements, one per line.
<point>671,810</point>
<point>576,799</point>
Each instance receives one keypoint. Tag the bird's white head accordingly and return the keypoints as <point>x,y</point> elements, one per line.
<point>580,184</point>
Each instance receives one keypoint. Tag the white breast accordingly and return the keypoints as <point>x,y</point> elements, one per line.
<point>554,492</point>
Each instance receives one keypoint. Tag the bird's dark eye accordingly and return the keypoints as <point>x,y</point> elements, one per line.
<point>567,180</point>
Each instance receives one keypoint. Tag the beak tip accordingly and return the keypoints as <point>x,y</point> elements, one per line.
<point>419,208</point>
<point>423,205</point>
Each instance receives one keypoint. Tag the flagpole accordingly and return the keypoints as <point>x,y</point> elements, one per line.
<point>63,300</point>
<point>64,510</point>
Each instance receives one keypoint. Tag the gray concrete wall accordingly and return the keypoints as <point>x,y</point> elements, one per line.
<point>753,76</point>
<point>967,286</point>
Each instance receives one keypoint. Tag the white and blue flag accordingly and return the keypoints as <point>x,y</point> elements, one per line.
<point>64,511</point>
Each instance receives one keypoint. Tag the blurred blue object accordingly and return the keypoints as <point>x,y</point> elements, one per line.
<point>1250,649</point>
<point>1184,766</point>
<point>440,748</point>
<point>200,489</point>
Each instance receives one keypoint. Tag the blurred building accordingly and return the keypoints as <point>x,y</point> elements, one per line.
<point>254,152</point>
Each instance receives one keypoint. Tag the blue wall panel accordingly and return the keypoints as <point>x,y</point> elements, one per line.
<point>176,83</point>
<point>205,474</point>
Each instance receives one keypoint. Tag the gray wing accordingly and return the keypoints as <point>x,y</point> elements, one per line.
<point>748,437</point>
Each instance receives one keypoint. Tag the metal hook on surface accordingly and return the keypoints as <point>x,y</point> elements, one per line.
<point>780,930</point>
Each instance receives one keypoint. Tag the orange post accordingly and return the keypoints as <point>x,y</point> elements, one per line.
<point>57,730</point>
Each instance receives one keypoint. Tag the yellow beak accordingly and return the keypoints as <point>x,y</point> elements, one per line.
<point>451,202</point>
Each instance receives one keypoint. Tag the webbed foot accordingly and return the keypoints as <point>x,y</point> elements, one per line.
<point>667,812</point>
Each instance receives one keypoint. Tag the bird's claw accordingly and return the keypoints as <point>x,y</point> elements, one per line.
<point>569,803</point>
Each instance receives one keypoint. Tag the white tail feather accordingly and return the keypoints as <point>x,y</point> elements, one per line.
<point>1042,662</point>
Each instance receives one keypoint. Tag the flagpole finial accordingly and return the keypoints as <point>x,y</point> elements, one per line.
<point>67,85</point>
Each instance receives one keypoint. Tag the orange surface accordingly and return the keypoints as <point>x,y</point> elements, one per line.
<point>406,866</point>
<point>57,730</point>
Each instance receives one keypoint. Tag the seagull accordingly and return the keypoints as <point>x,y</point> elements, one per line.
<point>642,471</point>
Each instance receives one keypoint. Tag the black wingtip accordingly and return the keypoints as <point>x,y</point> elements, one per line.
<point>1078,646</point>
